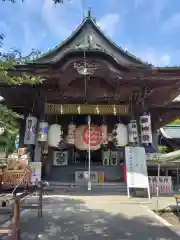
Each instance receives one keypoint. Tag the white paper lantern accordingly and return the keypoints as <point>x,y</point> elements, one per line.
<point>42,132</point>
<point>146,130</point>
<point>71,133</point>
<point>132,132</point>
<point>54,135</point>
<point>30,131</point>
<point>120,135</point>
<point>104,134</point>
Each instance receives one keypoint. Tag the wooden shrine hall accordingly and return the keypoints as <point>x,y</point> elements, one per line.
<point>88,79</point>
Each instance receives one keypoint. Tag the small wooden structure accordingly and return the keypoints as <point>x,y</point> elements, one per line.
<point>15,177</point>
<point>17,172</point>
<point>14,230</point>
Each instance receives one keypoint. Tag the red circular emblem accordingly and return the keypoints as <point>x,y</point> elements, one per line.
<point>95,136</point>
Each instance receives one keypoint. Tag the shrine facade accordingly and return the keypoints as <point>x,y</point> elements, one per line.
<point>96,97</point>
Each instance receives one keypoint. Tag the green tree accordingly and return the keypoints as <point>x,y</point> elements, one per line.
<point>10,121</point>
<point>8,63</point>
<point>175,122</point>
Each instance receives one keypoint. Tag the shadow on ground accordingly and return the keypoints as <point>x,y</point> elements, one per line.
<point>66,219</point>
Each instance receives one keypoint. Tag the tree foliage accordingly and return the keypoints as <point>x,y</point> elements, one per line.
<point>10,121</point>
<point>12,58</point>
<point>175,122</point>
<point>8,61</point>
<point>8,118</point>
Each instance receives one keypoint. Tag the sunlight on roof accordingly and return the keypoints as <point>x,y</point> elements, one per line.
<point>1,98</point>
<point>177,99</point>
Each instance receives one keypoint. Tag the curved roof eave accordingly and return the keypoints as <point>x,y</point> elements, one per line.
<point>95,26</point>
<point>75,52</point>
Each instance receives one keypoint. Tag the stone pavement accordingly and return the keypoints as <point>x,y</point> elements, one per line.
<point>113,218</point>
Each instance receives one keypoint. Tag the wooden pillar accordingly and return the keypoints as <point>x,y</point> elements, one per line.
<point>155,140</point>
<point>22,132</point>
<point>16,225</point>
<point>166,172</point>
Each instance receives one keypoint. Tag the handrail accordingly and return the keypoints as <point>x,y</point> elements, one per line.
<point>14,230</point>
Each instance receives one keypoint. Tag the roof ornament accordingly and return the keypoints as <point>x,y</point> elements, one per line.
<point>89,12</point>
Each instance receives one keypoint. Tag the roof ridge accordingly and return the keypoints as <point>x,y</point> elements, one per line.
<point>80,26</point>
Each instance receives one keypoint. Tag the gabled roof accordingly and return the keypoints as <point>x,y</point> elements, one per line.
<point>89,36</point>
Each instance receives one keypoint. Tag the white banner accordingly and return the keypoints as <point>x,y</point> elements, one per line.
<point>136,168</point>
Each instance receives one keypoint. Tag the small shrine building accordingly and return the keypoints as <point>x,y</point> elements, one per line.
<point>93,91</point>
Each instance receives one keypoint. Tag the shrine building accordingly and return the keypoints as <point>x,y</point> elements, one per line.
<point>95,99</point>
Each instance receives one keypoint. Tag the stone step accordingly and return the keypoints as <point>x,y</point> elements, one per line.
<point>108,188</point>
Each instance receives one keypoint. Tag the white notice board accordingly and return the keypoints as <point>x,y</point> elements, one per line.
<point>136,168</point>
<point>36,171</point>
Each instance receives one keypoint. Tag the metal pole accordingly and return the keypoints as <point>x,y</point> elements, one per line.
<point>177,174</point>
<point>157,189</point>
<point>40,202</point>
<point>89,154</point>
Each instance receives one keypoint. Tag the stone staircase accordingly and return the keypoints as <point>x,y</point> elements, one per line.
<point>82,188</point>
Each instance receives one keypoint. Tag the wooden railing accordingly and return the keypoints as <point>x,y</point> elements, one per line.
<point>14,230</point>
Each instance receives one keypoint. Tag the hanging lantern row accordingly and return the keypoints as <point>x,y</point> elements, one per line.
<point>121,134</point>
<point>53,134</point>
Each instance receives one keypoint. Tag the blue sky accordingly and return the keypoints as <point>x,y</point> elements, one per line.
<point>150,29</point>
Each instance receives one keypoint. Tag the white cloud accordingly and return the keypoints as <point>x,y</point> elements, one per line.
<point>172,23</point>
<point>29,40</point>
<point>4,28</point>
<point>153,7</point>
<point>62,19</point>
<point>153,56</point>
<point>156,59</point>
<point>109,23</point>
